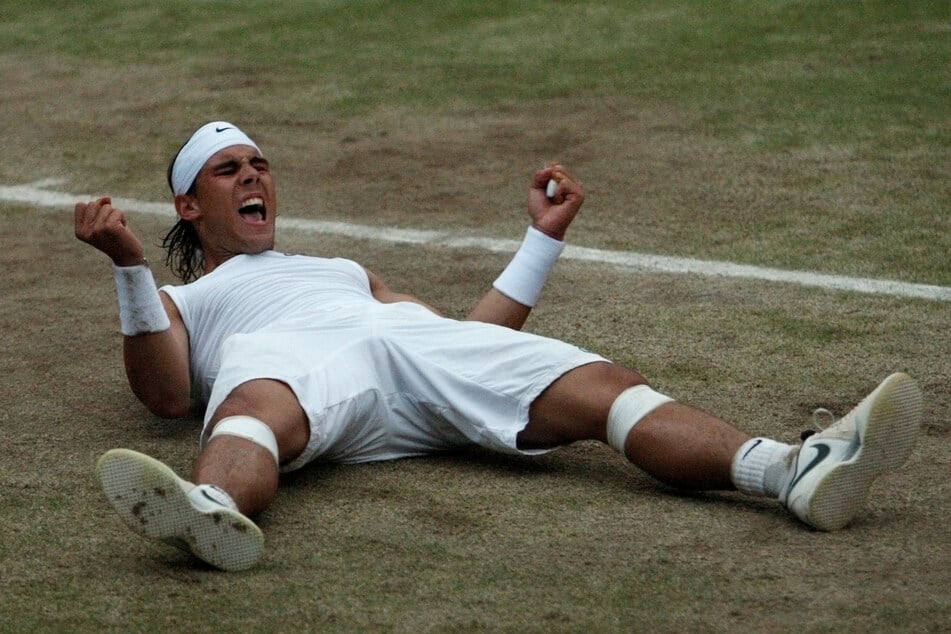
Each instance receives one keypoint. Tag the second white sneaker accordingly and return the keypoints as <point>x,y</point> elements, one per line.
<point>835,468</point>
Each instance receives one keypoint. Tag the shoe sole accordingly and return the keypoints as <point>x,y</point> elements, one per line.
<point>147,495</point>
<point>894,416</point>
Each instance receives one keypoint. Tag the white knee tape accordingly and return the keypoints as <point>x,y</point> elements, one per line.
<point>628,409</point>
<point>249,428</point>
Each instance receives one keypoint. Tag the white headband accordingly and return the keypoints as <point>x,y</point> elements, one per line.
<point>207,141</point>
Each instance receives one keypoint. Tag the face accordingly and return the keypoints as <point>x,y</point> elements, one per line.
<point>234,206</point>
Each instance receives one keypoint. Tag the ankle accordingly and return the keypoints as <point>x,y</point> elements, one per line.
<point>216,494</point>
<point>761,466</point>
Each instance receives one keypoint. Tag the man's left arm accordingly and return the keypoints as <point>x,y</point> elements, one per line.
<point>517,289</point>
<point>514,293</point>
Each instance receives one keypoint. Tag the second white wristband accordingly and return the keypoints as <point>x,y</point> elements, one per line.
<point>524,277</point>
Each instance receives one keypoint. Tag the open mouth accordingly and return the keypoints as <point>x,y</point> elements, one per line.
<point>253,211</point>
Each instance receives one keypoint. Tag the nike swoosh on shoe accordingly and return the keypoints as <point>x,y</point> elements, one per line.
<point>822,452</point>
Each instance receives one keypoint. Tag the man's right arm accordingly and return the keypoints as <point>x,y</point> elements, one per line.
<point>155,341</point>
<point>156,365</point>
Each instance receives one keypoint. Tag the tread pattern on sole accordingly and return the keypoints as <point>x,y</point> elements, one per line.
<point>887,440</point>
<point>151,500</point>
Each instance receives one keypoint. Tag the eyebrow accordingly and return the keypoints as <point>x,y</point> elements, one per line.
<point>229,164</point>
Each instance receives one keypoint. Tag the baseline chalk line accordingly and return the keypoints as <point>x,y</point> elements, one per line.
<point>39,194</point>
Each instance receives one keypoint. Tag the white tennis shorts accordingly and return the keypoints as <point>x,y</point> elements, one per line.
<point>394,380</point>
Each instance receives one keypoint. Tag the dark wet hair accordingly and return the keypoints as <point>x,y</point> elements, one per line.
<point>183,254</point>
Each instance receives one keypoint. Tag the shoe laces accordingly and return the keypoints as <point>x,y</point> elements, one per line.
<point>833,428</point>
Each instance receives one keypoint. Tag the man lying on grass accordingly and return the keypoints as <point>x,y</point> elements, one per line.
<point>298,359</point>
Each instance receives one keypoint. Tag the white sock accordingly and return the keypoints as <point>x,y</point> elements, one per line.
<point>215,494</point>
<point>761,466</point>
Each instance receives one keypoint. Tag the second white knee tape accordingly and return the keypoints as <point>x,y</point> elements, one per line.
<point>628,409</point>
<point>249,428</point>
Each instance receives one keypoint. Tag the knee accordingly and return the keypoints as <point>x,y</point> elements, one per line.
<point>275,405</point>
<point>576,406</point>
<point>614,378</point>
<point>594,387</point>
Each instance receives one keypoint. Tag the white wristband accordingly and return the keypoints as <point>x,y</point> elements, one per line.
<point>524,277</point>
<point>140,307</point>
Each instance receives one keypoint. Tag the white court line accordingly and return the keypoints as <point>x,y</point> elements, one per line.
<point>37,194</point>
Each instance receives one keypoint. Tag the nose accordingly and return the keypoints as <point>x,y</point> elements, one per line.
<point>249,173</point>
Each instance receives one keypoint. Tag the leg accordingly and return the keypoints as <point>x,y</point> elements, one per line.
<point>235,477</point>
<point>824,482</point>
<point>244,469</point>
<point>675,443</point>
<point>685,447</point>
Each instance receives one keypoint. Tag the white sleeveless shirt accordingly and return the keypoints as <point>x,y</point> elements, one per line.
<point>376,381</point>
<point>250,292</point>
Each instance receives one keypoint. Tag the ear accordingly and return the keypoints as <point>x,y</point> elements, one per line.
<point>187,207</point>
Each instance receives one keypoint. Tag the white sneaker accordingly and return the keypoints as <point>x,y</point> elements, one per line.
<point>834,469</point>
<point>159,505</point>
